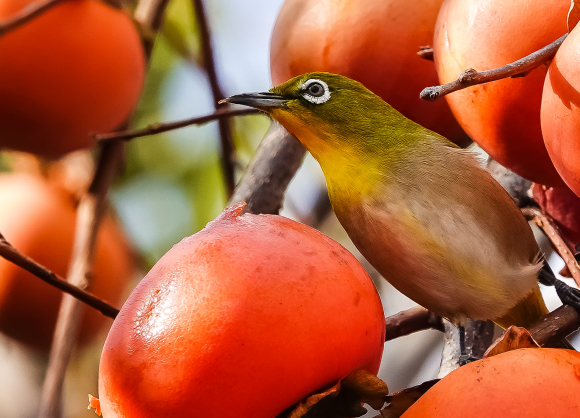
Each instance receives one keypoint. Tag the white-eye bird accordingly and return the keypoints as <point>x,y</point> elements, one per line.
<point>422,211</point>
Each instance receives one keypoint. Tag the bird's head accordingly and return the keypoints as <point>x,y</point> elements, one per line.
<point>326,112</point>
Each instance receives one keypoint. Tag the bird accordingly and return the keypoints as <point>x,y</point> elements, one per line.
<point>424,212</point>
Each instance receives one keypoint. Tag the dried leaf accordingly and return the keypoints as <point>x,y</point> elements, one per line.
<point>573,14</point>
<point>565,272</point>
<point>343,399</point>
<point>512,339</point>
<point>402,400</point>
<point>95,404</point>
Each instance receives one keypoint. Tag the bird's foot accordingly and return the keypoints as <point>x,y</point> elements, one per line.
<point>465,358</point>
<point>567,294</point>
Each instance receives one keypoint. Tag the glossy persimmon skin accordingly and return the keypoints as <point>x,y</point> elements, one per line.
<point>503,116</point>
<point>75,70</point>
<point>242,319</point>
<point>373,42</point>
<point>529,382</point>
<point>560,113</point>
<point>39,220</point>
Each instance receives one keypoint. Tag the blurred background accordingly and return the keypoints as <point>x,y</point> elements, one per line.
<point>172,186</point>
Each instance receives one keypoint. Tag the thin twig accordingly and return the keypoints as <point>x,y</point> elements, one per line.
<point>8,252</point>
<point>228,158</point>
<point>551,231</point>
<point>472,77</point>
<point>164,127</point>
<point>25,15</point>
<point>410,321</point>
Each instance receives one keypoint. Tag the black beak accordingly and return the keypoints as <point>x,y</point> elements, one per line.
<point>263,101</point>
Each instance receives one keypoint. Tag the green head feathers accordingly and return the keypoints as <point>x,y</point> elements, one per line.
<point>329,112</point>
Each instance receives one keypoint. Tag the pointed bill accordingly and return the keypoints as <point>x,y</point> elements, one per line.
<point>263,101</point>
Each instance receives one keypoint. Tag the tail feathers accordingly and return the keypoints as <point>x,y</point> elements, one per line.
<point>526,312</point>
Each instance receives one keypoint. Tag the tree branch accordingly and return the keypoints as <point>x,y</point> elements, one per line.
<point>90,212</point>
<point>25,15</point>
<point>164,127</point>
<point>551,231</point>
<point>267,177</point>
<point>410,321</point>
<point>556,325</point>
<point>228,158</point>
<point>8,252</point>
<point>472,77</point>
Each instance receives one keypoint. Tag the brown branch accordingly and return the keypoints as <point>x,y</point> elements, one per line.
<point>426,52</point>
<point>164,127</point>
<point>149,16</point>
<point>8,252</point>
<point>410,321</point>
<point>228,158</point>
<point>267,177</point>
<point>555,326</point>
<point>25,15</point>
<point>89,214</point>
<point>551,231</point>
<point>472,77</point>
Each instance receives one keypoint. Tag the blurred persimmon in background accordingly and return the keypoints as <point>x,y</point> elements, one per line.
<point>76,69</point>
<point>38,219</point>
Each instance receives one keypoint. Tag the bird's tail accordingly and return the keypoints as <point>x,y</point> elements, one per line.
<point>526,312</point>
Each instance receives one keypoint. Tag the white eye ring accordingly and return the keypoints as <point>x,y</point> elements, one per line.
<point>315,99</point>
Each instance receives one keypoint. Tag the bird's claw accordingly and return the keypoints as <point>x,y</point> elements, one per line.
<point>567,294</point>
<point>465,358</point>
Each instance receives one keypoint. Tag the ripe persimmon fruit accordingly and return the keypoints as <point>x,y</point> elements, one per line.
<point>39,220</point>
<point>372,41</point>
<point>560,114</point>
<point>244,318</point>
<point>528,382</point>
<point>503,117</point>
<point>77,68</point>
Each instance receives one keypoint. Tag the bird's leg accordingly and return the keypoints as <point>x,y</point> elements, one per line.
<point>464,358</point>
<point>568,295</point>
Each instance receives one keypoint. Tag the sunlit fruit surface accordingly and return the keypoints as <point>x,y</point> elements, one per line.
<point>245,318</point>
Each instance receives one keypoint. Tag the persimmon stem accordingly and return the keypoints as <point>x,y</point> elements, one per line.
<point>551,231</point>
<point>471,77</point>
<point>8,252</point>
<point>426,52</point>
<point>25,15</point>
<point>165,127</point>
<point>228,157</point>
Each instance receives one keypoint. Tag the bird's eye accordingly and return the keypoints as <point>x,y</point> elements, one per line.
<point>315,91</point>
